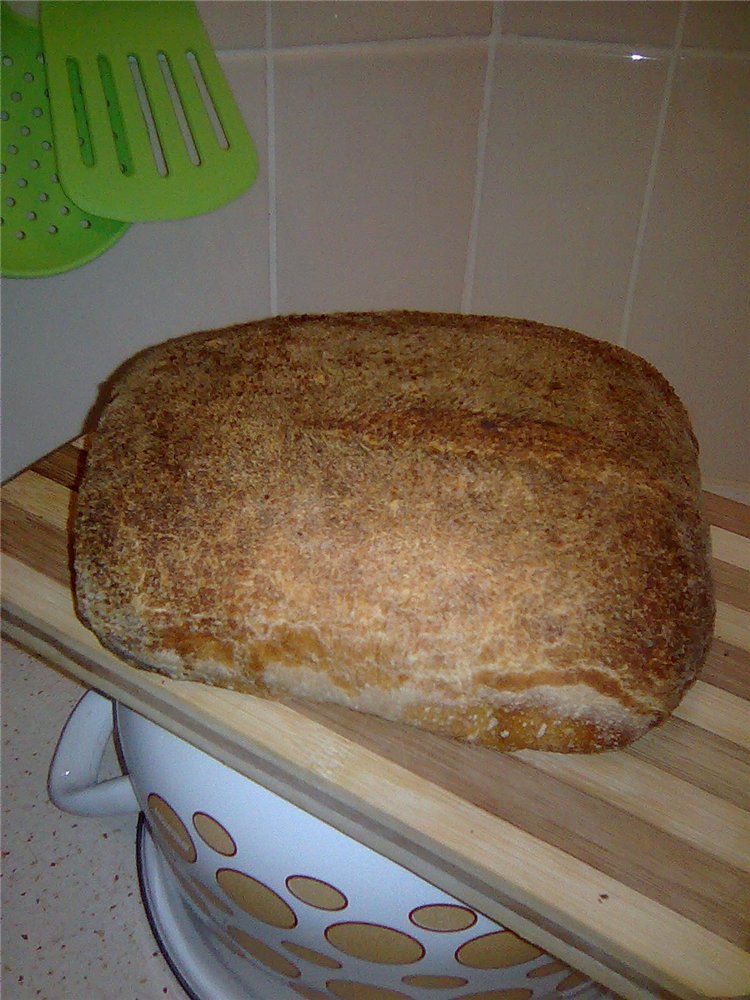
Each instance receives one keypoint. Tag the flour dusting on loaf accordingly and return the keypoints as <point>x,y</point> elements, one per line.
<point>485,527</point>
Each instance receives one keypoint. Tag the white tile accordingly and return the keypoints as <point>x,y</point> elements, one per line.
<point>717,25</point>
<point>62,336</point>
<point>691,307</point>
<point>568,153</point>
<point>631,23</point>
<point>376,165</point>
<point>234,24</point>
<point>325,21</point>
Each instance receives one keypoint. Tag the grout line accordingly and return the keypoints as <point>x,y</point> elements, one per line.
<point>651,179</point>
<point>482,132</point>
<point>386,44</point>
<point>648,50</point>
<point>273,281</point>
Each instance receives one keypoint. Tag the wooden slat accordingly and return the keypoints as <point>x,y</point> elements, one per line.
<point>727,514</point>
<point>730,547</point>
<point>699,757</point>
<point>42,498</point>
<point>732,584</point>
<point>732,625</point>
<point>728,668</point>
<point>37,543</point>
<point>717,711</point>
<point>64,466</point>
<point>665,801</point>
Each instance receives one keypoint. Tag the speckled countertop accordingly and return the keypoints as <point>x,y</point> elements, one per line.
<point>73,925</point>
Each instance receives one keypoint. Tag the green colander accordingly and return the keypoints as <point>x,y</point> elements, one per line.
<point>43,231</point>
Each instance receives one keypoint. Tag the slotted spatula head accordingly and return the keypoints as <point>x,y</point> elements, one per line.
<point>145,124</point>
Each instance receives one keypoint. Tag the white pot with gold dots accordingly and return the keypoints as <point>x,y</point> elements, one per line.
<point>249,896</point>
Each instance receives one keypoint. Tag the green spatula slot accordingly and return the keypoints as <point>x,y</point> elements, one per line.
<point>178,107</point>
<point>79,109</point>
<point>116,121</point>
<point>114,113</point>
<point>147,111</point>
<point>208,101</point>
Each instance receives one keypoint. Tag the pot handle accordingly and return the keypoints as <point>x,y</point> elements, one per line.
<point>72,783</point>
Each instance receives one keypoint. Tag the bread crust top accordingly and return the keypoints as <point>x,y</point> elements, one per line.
<point>485,526</point>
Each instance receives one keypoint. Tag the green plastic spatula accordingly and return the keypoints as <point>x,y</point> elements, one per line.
<point>145,125</point>
<point>43,231</point>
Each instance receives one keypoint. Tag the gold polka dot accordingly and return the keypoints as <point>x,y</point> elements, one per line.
<point>547,970</point>
<point>514,994</point>
<point>443,917</point>
<point>571,981</point>
<point>170,829</point>
<point>347,990</point>
<point>309,992</point>
<point>213,833</point>
<point>498,950</point>
<point>309,955</point>
<point>265,955</point>
<point>316,893</point>
<point>256,899</point>
<point>435,982</point>
<point>375,943</point>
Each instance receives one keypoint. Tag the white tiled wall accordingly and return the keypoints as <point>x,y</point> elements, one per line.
<point>375,184</point>
<point>585,164</point>
<point>570,139</point>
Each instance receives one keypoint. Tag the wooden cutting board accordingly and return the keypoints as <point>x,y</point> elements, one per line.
<point>633,866</point>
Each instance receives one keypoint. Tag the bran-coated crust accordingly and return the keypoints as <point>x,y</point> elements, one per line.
<point>485,527</point>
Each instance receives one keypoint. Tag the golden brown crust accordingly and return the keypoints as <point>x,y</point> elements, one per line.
<point>486,527</point>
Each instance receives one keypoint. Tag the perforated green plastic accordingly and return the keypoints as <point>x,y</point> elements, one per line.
<point>43,231</point>
<point>145,124</point>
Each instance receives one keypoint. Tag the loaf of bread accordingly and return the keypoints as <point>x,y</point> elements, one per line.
<point>488,528</point>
